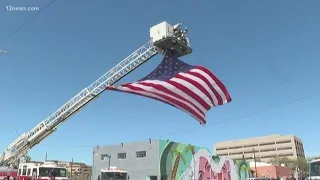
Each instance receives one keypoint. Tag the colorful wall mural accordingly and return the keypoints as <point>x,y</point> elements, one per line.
<point>187,162</point>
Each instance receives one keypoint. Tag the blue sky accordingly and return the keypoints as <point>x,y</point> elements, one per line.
<point>266,53</point>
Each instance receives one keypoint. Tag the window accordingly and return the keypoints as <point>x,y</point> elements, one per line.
<point>141,154</point>
<point>29,172</point>
<point>105,156</point>
<point>225,154</point>
<point>267,150</point>
<point>284,148</point>
<point>24,170</point>
<point>252,145</point>
<point>57,172</point>
<point>268,156</point>
<point>235,147</point>
<point>236,153</point>
<point>265,144</point>
<point>283,155</point>
<point>282,142</point>
<point>34,171</point>
<point>122,155</point>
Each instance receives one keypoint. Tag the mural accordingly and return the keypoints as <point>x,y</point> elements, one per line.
<point>187,162</point>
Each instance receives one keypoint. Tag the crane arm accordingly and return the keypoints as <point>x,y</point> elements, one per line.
<point>28,140</point>
<point>163,39</point>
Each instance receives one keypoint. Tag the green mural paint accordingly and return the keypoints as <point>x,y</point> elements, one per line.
<point>184,161</point>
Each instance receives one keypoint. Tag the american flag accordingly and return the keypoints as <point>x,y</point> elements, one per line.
<point>193,89</point>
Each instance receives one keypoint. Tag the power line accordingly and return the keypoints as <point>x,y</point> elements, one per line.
<point>221,122</point>
<point>247,115</point>
<point>26,22</point>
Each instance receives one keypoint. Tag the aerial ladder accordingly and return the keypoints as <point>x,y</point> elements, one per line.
<point>164,39</point>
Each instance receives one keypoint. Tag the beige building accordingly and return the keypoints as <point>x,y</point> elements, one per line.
<point>77,169</point>
<point>265,148</point>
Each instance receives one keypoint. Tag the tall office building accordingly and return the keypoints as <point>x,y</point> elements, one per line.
<point>264,148</point>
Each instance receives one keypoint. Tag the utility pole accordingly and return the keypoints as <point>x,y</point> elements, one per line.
<point>109,157</point>
<point>71,167</point>
<point>45,159</point>
<point>255,163</point>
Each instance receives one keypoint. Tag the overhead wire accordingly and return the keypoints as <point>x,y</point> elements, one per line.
<point>176,132</point>
<point>209,125</point>
<point>26,22</point>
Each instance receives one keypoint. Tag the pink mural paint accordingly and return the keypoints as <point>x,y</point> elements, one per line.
<point>206,172</point>
<point>226,171</point>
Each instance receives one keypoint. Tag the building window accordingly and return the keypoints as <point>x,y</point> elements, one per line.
<point>282,142</point>
<point>283,155</point>
<point>225,154</point>
<point>284,148</point>
<point>267,150</point>
<point>266,144</point>
<point>122,155</point>
<point>141,154</point>
<point>235,147</point>
<point>105,157</point>
<point>251,145</point>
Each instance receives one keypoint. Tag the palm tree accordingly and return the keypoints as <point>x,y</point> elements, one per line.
<point>178,155</point>
<point>188,148</point>
<point>216,159</point>
<point>245,168</point>
<point>191,148</point>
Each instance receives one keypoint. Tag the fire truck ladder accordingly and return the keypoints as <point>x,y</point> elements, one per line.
<point>27,141</point>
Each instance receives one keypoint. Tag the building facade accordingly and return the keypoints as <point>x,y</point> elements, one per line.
<point>76,169</point>
<point>164,159</point>
<point>263,148</point>
<point>270,171</point>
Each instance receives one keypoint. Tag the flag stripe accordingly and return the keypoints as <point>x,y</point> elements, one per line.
<point>121,89</point>
<point>214,93</point>
<point>213,83</point>
<point>181,84</point>
<point>193,89</point>
<point>197,82</point>
<point>140,91</point>
<point>222,87</point>
<point>182,93</point>
<point>168,97</point>
<point>172,90</point>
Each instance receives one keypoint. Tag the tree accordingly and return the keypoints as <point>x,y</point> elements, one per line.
<point>27,158</point>
<point>275,161</point>
<point>300,164</point>
<point>191,148</point>
<point>216,159</point>
<point>278,161</point>
<point>179,156</point>
<point>245,168</point>
<point>312,158</point>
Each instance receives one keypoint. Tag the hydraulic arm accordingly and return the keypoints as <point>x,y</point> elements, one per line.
<point>174,42</point>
